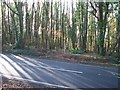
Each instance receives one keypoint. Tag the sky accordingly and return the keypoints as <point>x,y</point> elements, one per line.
<point>30,1</point>
<point>66,1</point>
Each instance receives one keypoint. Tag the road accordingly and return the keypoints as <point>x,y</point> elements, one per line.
<point>56,73</point>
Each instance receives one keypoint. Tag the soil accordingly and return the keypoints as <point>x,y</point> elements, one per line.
<point>86,58</point>
<point>14,84</point>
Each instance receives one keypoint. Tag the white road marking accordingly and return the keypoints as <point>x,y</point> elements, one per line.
<point>118,77</point>
<point>51,68</point>
<point>40,65</point>
<point>103,67</point>
<point>113,73</point>
<point>64,70</point>
<point>99,74</point>
<point>33,81</point>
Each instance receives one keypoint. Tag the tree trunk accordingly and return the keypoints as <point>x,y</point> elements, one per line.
<point>100,25</point>
<point>118,29</point>
<point>51,36</point>
<point>20,43</point>
<point>85,27</point>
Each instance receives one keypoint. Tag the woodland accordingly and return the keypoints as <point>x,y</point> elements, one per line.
<point>61,25</point>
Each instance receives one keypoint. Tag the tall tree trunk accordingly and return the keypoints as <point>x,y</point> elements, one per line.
<point>63,27</point>
<point>57,23</point>
<point>8,22</point>
<point>14,26</point>
<point>31,24</point>
<point>73,29</point>
<point>82,26</point>
<point>85,27</point>
<point>3,25</point>
<point>46,24</point>
<point>20,43</point>
<point>37,25</point>
<point>100,25</point>
<point>27,36</point>
<point>51,36</point>
<point>118,29</point>
<point>3,22</point>
<point>102,22</point>
<point>43,25</point>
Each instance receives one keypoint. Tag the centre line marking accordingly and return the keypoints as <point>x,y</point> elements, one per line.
<point>51,68</point>
<point>64,70</point>
<point>47,66</point>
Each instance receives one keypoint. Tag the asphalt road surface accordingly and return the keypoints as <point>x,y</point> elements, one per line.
<point>56,73</point>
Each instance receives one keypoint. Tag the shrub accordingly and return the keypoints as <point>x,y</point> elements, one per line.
<point>116,55</point>
<point>77,51</point>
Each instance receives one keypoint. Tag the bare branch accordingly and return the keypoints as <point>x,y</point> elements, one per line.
<point>93,7</point>
<point>95,10</point>
<point>95,15</point>
<point>16,5</point>
<point>10,8</point>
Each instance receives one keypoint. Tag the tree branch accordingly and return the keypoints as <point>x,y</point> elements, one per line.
<point>16,5</point>
<point>95,15</point>
<point>10,8</point>
<point>93,7</point>
<point>94,10</point>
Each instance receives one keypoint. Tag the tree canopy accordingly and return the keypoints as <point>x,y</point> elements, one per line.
<point>87,26</point>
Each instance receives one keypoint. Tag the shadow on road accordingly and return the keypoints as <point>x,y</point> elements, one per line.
<point>29,69</point>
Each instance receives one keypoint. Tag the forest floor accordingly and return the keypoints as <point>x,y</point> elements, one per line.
<point>85,58</point>
<point>67,56</point>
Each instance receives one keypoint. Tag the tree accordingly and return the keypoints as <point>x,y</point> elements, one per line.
<point>20,43</point>
<point>37,25</point>
<point>102,22</point>
<point>101,16</point>
<point>73,29</point>
<point>1,29</point>
<point>47,7</point>
<point>56,8</point>
<point>85,25</point>
<point>18,5</point>
<point>27,22</point>
<point>118,29</point>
